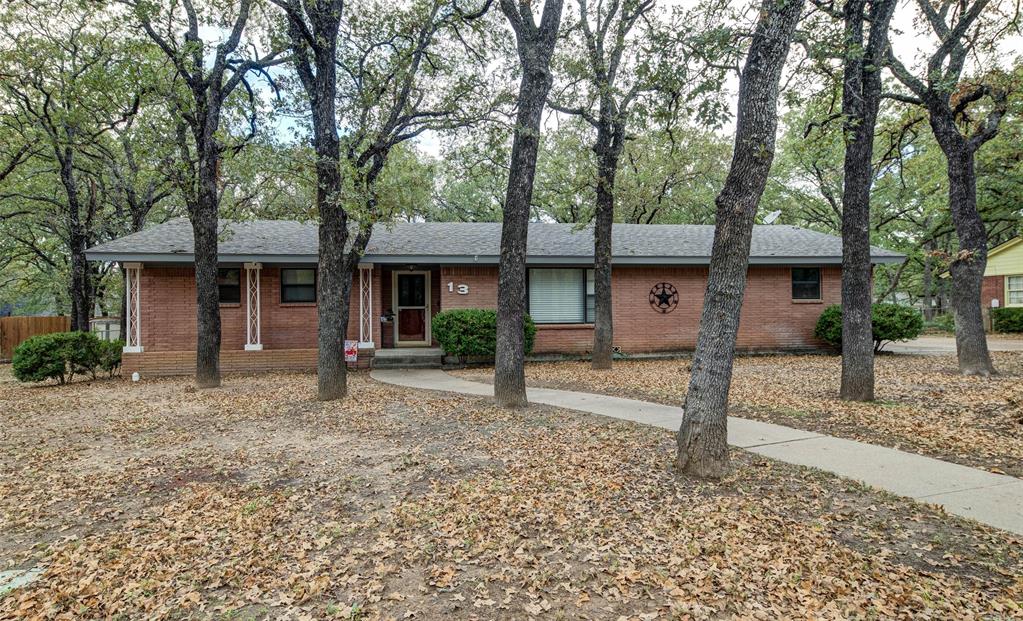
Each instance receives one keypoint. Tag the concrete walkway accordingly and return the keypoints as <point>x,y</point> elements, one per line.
<point>932,345</point>
<point>989,498</point>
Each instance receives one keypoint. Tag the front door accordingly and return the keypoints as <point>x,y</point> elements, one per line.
<point>411,308</point>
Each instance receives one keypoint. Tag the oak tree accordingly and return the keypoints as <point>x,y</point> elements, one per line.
<point>703,436</point>
<point>535,45</point>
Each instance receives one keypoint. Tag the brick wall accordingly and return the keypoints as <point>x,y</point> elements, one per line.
<point>168,313</point>
<point>992,288</point>
<point>770,318</point>
<point>482,283</point>
<point>288,331</point>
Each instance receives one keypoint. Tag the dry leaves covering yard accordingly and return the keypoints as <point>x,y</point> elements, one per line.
<point>154,500</point>
<point>923,405</point>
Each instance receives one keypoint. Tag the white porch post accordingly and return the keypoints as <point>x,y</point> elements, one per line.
<point>133,306</point>
<point>253,340</point>
<point>366,306</point>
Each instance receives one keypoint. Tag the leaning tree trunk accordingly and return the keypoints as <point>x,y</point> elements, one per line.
<point>967,268</point>
<point>207,296</point>
<point>861,98</point>
<point>703,436</point>
<point>509,371</point>
<point>603,223</point>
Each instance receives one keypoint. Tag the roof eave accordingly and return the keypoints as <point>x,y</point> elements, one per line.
<point>186,258</point>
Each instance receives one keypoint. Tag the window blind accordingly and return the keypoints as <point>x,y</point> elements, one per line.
<point>557,295</point>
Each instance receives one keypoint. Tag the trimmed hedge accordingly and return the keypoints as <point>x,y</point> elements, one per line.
<point>889,322</point>
<point>1008,319</point>
<point>62,355</point>
<point>473,332</point>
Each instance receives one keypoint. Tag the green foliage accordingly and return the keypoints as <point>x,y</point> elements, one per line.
<point>473,332</point>
<point>1007,319</point>
<point>39,359</point>
<point>894,322</point>
<point>829,326</point>
<point>889,323</point>
<point>943,323</point>
<point>62,355</point>
<point>110,356</point>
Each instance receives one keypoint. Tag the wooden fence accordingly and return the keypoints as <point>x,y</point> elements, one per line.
<point>15,330</point>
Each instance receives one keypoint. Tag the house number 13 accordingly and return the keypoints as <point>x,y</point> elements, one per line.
<point>461,289</point>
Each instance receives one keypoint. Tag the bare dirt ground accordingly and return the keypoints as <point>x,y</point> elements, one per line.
<point>923,405</point>
<point>154,500</point>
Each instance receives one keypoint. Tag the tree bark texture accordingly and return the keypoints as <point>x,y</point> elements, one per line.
<point>861,98</point>
<point>205,228</point>
<point>535,46</point>
<point>79,285</point>
<point>314,44</point>
<point>608,148</point>
<point>703,436</point>
<point>967,269</point>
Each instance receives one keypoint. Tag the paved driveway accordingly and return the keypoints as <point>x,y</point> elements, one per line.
<point>947,345</point>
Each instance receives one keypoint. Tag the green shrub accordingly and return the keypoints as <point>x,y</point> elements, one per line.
<point>894,322</point>
<point>829,326</point>
<point>473,332</point>
<point>62,355</point>
<point>1007,319</point>
<point>110,356</point>
<point>889,323</point>
<point>84,351</point>
<point>39,358</point>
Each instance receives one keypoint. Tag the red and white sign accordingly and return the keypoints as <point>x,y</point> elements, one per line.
<point>351,351</point>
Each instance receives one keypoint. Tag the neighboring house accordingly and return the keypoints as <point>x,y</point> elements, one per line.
<point>412,271</point>
<point>1003,277</point>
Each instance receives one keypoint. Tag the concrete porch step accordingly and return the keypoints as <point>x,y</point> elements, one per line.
<point>409,358</point>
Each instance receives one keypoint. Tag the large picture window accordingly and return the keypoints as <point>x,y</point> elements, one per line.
<point>1014,290</point>
<point>229,284</point>
<point>563,295</point>
<point>298,285</point>
<point>806,283</point>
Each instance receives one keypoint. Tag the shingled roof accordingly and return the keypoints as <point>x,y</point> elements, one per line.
<point>287,241</point>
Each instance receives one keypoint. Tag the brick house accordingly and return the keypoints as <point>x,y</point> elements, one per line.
<point>1003,276</point>
<point>412,271</point>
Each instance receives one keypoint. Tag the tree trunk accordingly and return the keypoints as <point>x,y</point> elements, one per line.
<point>79,290</point>
<point>535,47</point>
<point>703,436</point>
<point>334,280</point>
<point>967,268</point>
<point>861,98</point>
<point>509,371</point>
<point>603,222</point>
<point>207,295</point>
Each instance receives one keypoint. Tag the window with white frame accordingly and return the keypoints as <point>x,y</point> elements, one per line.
<point>1014,290</point>
<point>561,295</point>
